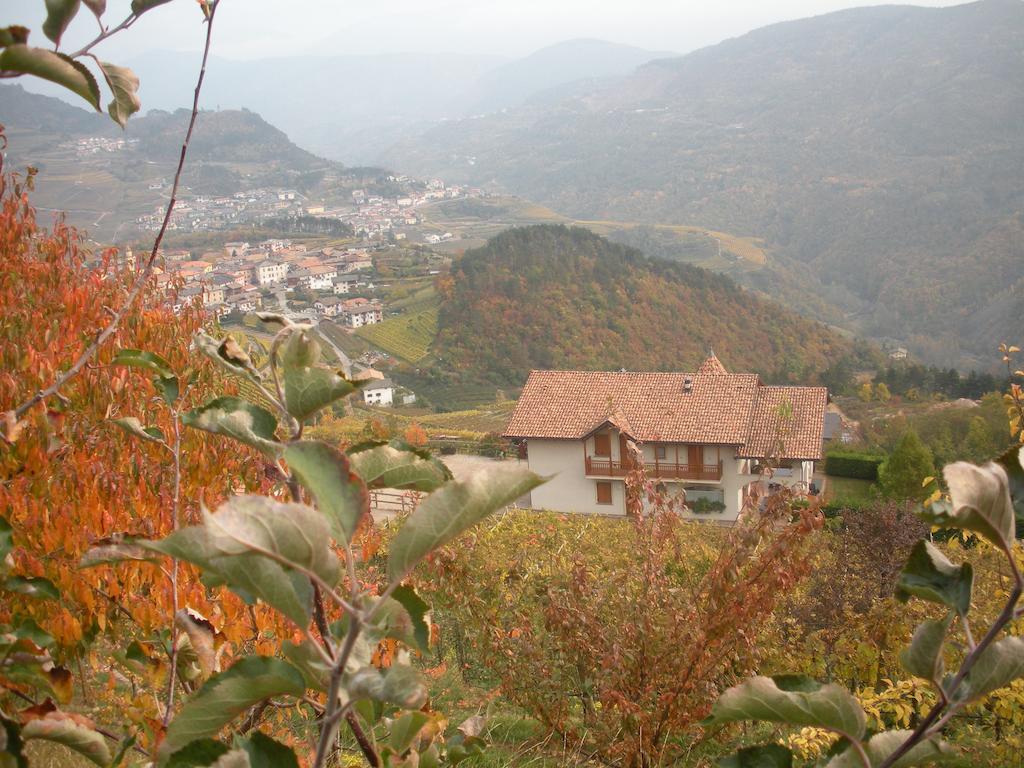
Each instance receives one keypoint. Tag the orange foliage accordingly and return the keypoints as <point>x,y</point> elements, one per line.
<point>71,477</point>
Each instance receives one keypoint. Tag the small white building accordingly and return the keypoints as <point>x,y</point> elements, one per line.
<point>359,312</point>
<point>270,272</point>
<point>379,392</point>
<point>716,436</point>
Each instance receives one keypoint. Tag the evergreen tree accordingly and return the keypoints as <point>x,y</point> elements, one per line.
<point>979,444</point>
<point>900,476</point>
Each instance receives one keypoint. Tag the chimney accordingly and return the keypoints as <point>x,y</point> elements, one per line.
<point>688,383</point>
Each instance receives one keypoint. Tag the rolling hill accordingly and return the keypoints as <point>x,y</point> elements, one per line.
<point>877,152</point>
<point>551,296</point>
<point>103,191</point>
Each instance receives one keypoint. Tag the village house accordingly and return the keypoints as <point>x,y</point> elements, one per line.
<point>359,312</point>
<point>242,301</point>
<point>713,434</point>
<point>379,392</point>
<point>329,306</point>
<point>348,283</point>
<point>270,272</point>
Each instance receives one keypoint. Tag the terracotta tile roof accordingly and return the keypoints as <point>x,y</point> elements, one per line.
<point>711,406</point>
<point>787,422</point>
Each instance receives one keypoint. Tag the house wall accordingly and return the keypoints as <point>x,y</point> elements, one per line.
<point>383,396</point>
<point>569,489</point>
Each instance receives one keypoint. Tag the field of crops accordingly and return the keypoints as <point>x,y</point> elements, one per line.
<point>407,336</point>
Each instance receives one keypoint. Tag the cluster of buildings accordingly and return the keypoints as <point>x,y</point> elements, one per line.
<point>370,216</point>
<point>203,213</point>
<point>237,277</point>
<point>93,145</point>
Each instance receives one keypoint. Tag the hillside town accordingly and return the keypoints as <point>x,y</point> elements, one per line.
<point>362,213</point>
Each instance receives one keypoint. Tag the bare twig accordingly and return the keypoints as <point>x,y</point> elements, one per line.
<point>175,522</point>
<point>143,277</point>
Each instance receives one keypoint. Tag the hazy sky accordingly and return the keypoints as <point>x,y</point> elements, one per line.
<point>265,28</point>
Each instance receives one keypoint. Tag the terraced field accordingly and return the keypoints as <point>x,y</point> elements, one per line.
<point>407,336</point>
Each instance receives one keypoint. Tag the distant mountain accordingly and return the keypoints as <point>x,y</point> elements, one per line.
<point>572,61</point>
<point>557,297</point>
<point>878,152</point>
<point>104,191</point>
<point>351,107</point>
<point>225,136</point>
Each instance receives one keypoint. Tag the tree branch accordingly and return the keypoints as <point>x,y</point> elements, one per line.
<point>143,277</point>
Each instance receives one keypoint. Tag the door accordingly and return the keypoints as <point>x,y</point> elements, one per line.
<point>624,457</point>
<point>694,458</point>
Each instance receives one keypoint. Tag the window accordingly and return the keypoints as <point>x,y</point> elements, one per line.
<point>602,445</point>
<point>604,492</point>
<point>660,452</point>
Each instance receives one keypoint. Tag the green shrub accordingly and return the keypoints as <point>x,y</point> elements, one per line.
<point>862,466</point>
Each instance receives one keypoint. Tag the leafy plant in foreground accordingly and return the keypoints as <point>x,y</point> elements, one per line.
<point>983,500</point>
<point>295,556</point>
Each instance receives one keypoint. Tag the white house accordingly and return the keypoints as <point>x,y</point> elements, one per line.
<point>348,283</point>
<point>711,434</point>
<point>270,272</point>
<point>329,306</point>
<point>360,312</point>
<point>379,392</point>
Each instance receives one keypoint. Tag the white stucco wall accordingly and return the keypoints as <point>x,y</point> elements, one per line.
<point>569,489</point>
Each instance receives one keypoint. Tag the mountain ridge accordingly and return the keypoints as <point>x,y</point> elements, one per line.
<point>876,150</point>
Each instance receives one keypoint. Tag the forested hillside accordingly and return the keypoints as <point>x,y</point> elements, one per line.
<point>558,297</point>
<point>878,152</point>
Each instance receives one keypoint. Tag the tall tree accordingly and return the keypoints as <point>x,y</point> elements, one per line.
<point>901,475</point>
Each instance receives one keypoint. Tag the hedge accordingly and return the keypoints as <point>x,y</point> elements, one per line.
<point>862,466</point>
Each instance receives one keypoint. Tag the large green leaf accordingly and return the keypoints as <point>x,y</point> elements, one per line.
<point>453,508</point>
<point>32,586</point>
<point>124,86</point>
<point>1011,462</point>
<point>149,361</point>
<point>929,575</point>
<point>98,7</point>
<point>115,549</point>
<point>6,540</point>
<point>980,502</point>
<point>397,465</point>
<point>72,733</point>
<point>404,687</point>
<point>139,7</point>
<point>325,472</point>
<point>881,745</point>
<point>405,729</point>
<point>418,633</point>
<point>11,744</point>
<point>55,67</point>
<point>238,419</point>
<point>791,699</point>
<point>923,657</point>
<point>201,753</point>
<point>264,752</point>
<point>227,354</point>
<point>59,14</point>
<point>254,545</point>
<point>998,665</point>
<point>134,427</point>
<point>309,662</point>
<point>225,696</point>
<point>768,756</point>
<point>309,387</point>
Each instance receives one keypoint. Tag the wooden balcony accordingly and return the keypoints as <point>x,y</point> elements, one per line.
<point>662,470</point>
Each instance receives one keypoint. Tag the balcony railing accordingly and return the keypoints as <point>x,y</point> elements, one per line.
<point>663,470</point>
